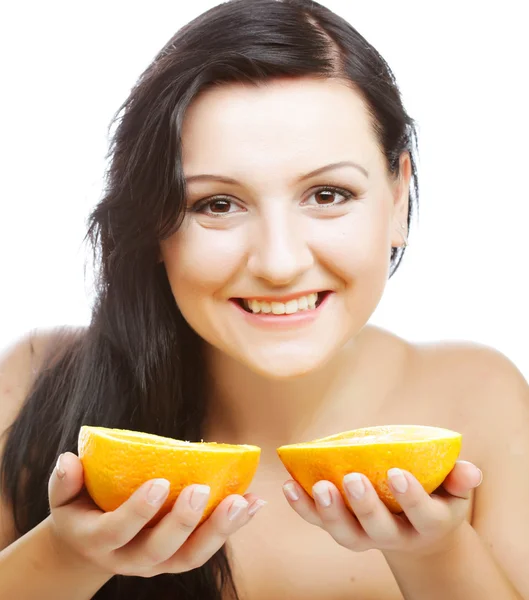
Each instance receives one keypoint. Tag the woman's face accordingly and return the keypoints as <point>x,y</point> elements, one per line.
<point>281,258</point>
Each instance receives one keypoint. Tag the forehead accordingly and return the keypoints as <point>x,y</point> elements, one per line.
<point>280,126</point>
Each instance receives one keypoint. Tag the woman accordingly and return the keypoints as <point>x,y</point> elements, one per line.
<point>259,196</point>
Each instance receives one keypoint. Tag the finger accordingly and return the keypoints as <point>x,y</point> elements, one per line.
<point>113,529</point>
<point>229,516</point>
<point>66,480</point>
<point>337,519</point>
<point>463,478</point>
<point>254,503</point>
<point>374,517</point>
<point>157,544</point>
<point>301,502</point>
<point>427,514</point>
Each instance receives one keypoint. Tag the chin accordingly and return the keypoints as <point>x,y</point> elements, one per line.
<point>282,368</point>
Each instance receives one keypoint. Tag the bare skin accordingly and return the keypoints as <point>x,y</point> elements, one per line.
<point>306,562</point>
<point>430,385</point>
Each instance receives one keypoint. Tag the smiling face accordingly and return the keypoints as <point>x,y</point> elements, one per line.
<point>281,259</point>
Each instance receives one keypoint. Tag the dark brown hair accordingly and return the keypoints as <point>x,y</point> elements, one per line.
<point>138,365</point>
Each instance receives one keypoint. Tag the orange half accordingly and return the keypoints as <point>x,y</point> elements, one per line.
<point>429,453</point>
<point>116,462</point>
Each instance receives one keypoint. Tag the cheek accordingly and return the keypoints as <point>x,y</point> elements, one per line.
<point>355,246</point>
<point>198,258</point>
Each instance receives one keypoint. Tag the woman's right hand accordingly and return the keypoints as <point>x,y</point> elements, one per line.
<point>116,542</point>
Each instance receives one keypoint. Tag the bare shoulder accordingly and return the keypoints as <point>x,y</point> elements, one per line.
<point>468,367</point>
<point>21,361</point>
<point>479,392</point>
<point>451,384</point>
<point>489,402</point>
<point>467,386</point>
<point>479,385</point>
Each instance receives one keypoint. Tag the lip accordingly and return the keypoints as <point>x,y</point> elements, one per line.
<point>269,321</point>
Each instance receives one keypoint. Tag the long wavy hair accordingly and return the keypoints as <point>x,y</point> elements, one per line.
<point>138,364</point>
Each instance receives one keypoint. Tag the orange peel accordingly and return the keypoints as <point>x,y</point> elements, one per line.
<point>117,461</point>
<point>429,453</point>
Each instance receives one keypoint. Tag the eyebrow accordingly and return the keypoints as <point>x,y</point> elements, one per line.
<point>337,165</point>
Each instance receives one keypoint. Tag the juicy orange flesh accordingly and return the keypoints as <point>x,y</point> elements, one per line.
<point>150,439</point>
<point>385,434</point>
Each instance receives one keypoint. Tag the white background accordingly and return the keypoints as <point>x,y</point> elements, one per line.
<point>462,68</point>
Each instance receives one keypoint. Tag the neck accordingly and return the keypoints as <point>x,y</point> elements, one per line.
<point>248,408</point>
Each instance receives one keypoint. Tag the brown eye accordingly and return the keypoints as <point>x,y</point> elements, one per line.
<point>219,206</point>
<point>329,196</point>
<point>325,197</point>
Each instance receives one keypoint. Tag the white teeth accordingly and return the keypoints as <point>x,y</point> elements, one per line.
<point>291,307</point>
<point>266,307</point>
<point>302,303</point>
<point>278,308</point>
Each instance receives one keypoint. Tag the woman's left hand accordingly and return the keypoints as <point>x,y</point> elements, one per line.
<point>425,527</point>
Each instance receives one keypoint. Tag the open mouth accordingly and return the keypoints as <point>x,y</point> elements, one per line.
<point>296,305</point>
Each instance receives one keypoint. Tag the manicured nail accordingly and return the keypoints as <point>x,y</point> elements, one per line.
<point>59,468</point>
<point>477,469</point>
<point>158,492</point>
<point>199,497</point>
<point>480,477</point>
<point>354,485</point>
<point>290,492</point>
<point>236,508</point>
<point>256,506</point>
<point>398,481</point>
<point>322,493</point>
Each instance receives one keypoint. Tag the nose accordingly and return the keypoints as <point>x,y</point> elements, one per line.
<point>280,252</point>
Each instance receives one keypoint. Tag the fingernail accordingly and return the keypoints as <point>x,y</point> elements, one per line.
<point>480,477</point>
<point>477,468</point>
<point>290,492</point>
<point>398,481</point>
<point>158,492</point>
<point>256,506</point>
<point>354,485</point>
<point>59,468</point>
<point>236,508</point>
<point>322,493</point>
<point>199,497</point>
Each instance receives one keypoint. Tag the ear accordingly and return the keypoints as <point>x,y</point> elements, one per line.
<point>401,194</point>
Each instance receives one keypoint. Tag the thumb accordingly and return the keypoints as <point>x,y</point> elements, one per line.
<point>66,481</point>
